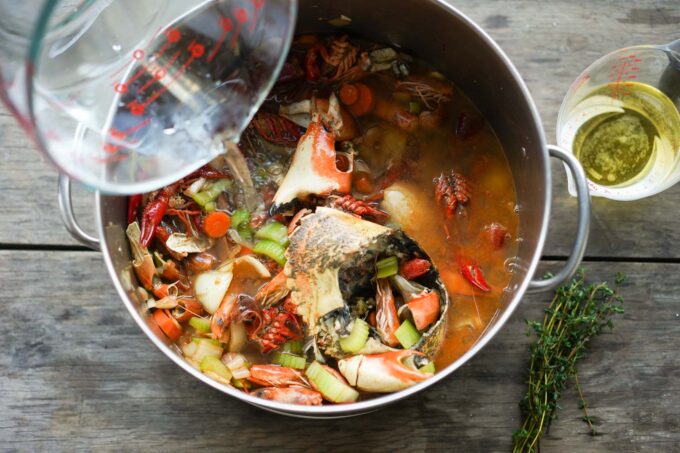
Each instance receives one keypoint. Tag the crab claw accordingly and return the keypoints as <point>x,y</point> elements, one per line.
<point>314,170</point>
<point>290,395</point>
<point>382,373</point>
<point>143,261</point>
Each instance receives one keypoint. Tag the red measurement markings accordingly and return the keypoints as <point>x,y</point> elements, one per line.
<point>172,36</point>
<point>241,15</point>
<point>226,24</point>
<point>159,74</point>
<point>116,135</point>
<point>620,75</point>
<point>197,50</point>
<point>140,49</point>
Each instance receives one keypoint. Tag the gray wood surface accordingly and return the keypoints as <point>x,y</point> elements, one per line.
<point>550,42</point>
<point>76,372</point>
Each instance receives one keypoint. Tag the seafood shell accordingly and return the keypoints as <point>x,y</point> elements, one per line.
<point>331,259</point>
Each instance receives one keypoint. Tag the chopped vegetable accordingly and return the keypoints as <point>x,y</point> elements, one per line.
<point>424,309</point>
<point>359,98</point>
<point>238,337</point>
<point>429,368</point>
<point>181,243</point>
<point>292,346</point>
<point>473,273</point>
<point>200,324</point>
<point>290,360</point>
<point>357,338</point>
<point>272,250</point>
<point>240,217</point>
<point>329,385</point>
<point>204,197</point>
<point>414,268</point>
<point>387,267</point>
<point>407,334</point>
<point>414,107</point>
<point>274,231</point>
<point>242,384</point>
<point>167,324</point>
<point>237,364</point>
<point>214,365</point>
<point>211,286</point>
<point>206,348</point>
<point>349,94</point>
<point>212,341</point>
<point>245,231</point>
<point>216,224</point>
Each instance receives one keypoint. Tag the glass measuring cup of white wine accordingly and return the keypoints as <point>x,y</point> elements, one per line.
<point>621,120</point>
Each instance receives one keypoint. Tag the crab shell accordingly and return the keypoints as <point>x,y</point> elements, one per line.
<point>313,170</point>
<point>331,258</point>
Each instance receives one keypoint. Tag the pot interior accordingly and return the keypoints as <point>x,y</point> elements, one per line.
<point>456,47</point>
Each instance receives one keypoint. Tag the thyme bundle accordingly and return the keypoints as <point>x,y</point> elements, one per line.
<point>576,314</point>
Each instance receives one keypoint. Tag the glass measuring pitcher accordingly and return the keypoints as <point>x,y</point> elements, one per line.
<point>131,95</point>
<point>621,119</point>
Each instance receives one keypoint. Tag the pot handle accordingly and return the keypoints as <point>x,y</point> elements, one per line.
<point>69,219</point>
<point>583,228</point>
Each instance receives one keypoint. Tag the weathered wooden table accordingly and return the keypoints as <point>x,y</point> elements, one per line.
<point>76,372</point>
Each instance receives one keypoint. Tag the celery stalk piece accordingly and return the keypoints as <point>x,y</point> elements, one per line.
<point>329,385</point>
<point>387,267</point>
<point>272,250</point>
<point>357,338</point>
<point>290,360</point>
<point>213,364</point>
<point>407,334</point>
<point>274,231</point>
<point>200,324</point>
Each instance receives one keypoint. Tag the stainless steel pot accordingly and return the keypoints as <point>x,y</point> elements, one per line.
<point>456,46</point>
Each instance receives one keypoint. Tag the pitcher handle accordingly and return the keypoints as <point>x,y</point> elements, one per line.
<point>69,218</point>
<point>582,230</point>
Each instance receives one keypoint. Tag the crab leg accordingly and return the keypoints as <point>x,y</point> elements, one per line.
<point>143,261</point>
<point>382,373</point>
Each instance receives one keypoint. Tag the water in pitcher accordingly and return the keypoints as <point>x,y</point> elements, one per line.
<point>127,96</point>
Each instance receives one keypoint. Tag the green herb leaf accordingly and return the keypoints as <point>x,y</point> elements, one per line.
<point>576,314</point>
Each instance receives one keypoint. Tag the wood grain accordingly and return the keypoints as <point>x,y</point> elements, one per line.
<point>77,373</point>
<point>549,42</point>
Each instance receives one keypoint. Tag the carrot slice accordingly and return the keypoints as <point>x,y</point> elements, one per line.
<point>366,102</point>
<point>216,224</point>
<point>168,324</point>
<point>349,94</point>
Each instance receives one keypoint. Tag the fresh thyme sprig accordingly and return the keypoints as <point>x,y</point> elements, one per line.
<point>577,313</point>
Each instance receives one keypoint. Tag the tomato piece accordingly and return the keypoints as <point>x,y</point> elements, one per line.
<point>414,268</point>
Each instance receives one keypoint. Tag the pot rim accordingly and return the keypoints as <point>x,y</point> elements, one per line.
<point>352,409</point>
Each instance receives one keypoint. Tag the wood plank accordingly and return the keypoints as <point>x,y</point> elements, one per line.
<point>549,42</point>
<point>77,373</point>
